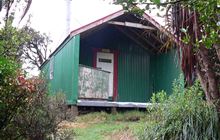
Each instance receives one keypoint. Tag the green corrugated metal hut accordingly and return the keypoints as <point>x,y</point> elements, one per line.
<point>124,49</point>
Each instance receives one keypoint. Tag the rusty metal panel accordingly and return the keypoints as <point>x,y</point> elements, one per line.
<point>93,83</point>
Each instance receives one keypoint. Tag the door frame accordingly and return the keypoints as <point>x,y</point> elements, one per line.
<point>115,68</point>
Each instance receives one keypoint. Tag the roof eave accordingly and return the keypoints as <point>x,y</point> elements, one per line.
<point>97,23</point>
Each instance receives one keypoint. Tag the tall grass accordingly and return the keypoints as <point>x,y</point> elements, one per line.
<point>184,115</point>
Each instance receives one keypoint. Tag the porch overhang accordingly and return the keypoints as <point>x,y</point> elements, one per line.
<point>141,31</point>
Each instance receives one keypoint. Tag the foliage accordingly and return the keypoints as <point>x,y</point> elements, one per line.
<point>197,33</point>
<point>64,134</point>
<point>10,36</point>
<point>23,102</point>
<point>26,111</point>
<point>160,97</point>
<point>14,91</point>
<point>35,48</point>
<point>183,115</point>
<point>25,44</point>
<point>10,41</point>
<point>39,119</point>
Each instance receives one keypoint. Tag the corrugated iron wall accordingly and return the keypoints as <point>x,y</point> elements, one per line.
<point>165,70</point>
<point>133,74</point>
<point>65,70</point>
<point>134,83</point>
<point>140,73</point>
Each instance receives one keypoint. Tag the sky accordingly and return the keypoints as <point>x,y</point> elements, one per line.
<point>50,16</point>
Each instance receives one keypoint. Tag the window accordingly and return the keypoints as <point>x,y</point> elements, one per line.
<point>105,60</point>
<point>51,67</point>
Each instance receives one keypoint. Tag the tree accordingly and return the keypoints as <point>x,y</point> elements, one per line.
<point>26,44</point>
<point>10,41</point>
<point>195,29</point>
<point>26,110</point>
<point>10,7</point>
<point>35,49</point>
<point>13,90</point>
<point>10,36</point>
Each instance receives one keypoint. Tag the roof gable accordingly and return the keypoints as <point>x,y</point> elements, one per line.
<point>112,16</point>
<point>108,18</point>
<point>97,22</point>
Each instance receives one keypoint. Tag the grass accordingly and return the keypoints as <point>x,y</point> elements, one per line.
<point>103,126</point>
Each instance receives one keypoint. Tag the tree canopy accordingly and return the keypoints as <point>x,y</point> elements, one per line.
<point>35,48</point>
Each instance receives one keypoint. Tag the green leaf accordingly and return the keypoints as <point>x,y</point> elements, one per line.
<point>156,1</point>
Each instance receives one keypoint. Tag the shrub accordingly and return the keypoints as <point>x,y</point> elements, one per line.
<point>13,92</point>
<point>26,110</point>
<point>184,115</point>
<point>41,118</point>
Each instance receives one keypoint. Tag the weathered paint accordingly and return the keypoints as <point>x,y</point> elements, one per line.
<point>115,65</point>
<point>93,83</point>
<point>65,76</point>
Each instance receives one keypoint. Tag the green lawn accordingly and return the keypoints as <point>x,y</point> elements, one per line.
<point>103,126</point>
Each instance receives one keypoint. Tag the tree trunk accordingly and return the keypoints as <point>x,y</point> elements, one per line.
<point>217,48</point>
<point>206,72</point>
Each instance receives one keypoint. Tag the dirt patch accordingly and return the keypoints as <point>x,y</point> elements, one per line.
<point>70,125</point>
<point>125,134</point>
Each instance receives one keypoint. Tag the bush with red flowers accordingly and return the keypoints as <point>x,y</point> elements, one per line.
<point>26,109</point>
<point>13,92</point>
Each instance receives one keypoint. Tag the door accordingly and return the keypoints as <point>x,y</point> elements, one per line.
<point>105,61</point>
